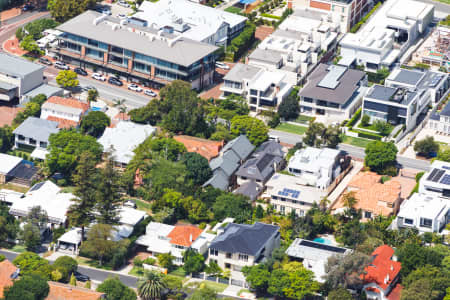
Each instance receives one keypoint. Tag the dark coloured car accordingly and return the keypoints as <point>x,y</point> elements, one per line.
<point>28,7</point>
<point>80,71</point>
<point>45,61</point>
<point>115,81</point>
<point>81,277</point>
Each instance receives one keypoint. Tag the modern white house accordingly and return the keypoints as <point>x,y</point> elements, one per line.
<point>316,167</point>
<point>387,35</point>
<point>436,182</point>
<point>426,213</point>
<point>440,122</point>
<point>66,111</point>
<point>34,133</point>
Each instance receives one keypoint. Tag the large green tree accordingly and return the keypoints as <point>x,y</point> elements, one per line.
<point>194,262</point>
<point>414,256</point>
<point>6,139</point>
<point>28,287</point>
<point>95,123</point>
<point>66,265</point>
<point>317,135</point>
<point>31,236</point>
<point>255,129</point>
<point>197,167</point>
<point>231,205</point>
<point>426,146</point>
<point>67,79</point>
<point>438,279</point>
<point>63,10</point>
<point>114,289</point>
<point>9,226</point>
<point>289,107</point>
<point>258,277</point>
<point>99,241</point>
<point>380,156</point>
<point>344,271</point>
<point>31,263</point>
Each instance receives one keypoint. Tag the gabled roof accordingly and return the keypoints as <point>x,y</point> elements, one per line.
<point>36,128</point>
<point>6,270</point>
<point>382,270</point>
<point>271,147</point>
<point>184,235</point>
<point>243,238</point>
<point>250,189</point>
<point>241,146</point>
<point>219,180</point>
<point>59,291</point>
<point>63,123</point>
<point>206,148</point>
<point>68,102</point>
<point>260,168</point>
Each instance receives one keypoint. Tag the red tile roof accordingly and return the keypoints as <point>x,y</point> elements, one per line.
<point>184,235</point>
<point>71,102</point>
<point>63,123</point>
<point>206,148</point>
<point>60,291</point>
<point>395,293</point>
<point>382,270</point>
<point>6,270</point>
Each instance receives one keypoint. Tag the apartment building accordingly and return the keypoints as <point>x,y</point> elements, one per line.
<point>347,12</point>
<point>388,34</point>
<point>436,182</point>
<point>137,53</point>
<point>335,92</point>
<point>191,20</point>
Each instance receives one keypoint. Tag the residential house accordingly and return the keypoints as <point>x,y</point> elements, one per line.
<point>8,272</point>
<point>426,213</point>
<point>263,90</point>
<point>314,255</point>
<point>436,182</point>
<point>372,197</point>
<point>44,89</point>
<point>386,37</point>
<point>66,111</point>
<point>334,92</point>
<point>129,218</point>
<point>232,155</point>
<point>16,170</point>
<point>191,20</point>
<point>122,139</point>
<point>59,291</point>
<point>241,245</point>
<point>34,133</point>
<point>150,55</point>
<point>317,167</point>
<point>381,276</point>
<point>18,76</point>
<point>206,148</point>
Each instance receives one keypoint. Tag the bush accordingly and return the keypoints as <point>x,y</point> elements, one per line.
<point>275,121</point>
<point>138,262</point>
<point>355,118</point>
<point>419,176</point>
<point>149,261</point>
<point>365,120</point>
<point>66,265</point>
<point>390,171</point>
<point>368,135</point>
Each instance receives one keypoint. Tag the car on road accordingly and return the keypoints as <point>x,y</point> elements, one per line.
<point>80,71</point>
<point>122,16</point>
<point>103,10</point>
<point>98,76</point>
<point>134,87</point>
<point>150,93</point>
<point>45,61</point>
<point>81,277</point>
<point>115,81</point>
<point>222,65</point>
<point>88,88</point>
<point>28,7</point>
<point>123,3</point>
<point>61,65</point>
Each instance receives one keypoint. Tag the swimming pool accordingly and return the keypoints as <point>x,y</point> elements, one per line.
<point>323,241</point>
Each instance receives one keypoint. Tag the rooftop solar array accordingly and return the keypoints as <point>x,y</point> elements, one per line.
<point>286,192</point>
<point>322,246</point>
<point>331,80</point>
<point>435,175</point>
<point>445,180</point>
<point>446,167</point>
<point>36,186</point>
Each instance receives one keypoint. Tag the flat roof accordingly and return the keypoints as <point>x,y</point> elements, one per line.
<point>266,55</point>
<point>16,66</point>
<point>391,95</point>
<point>8,163</point>
<point>423,205</point>
<point>241,72</point>
<point>405,76</point>
<point>182,51</point>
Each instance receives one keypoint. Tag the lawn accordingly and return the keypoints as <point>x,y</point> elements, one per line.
<point>178,272</point>
<point>286,127</point>
<point>304,119</point>
<point>444,1</point>
<point>137,271</point>
<point>233,10</point>
<point>144,205</point>
<point>91,263</point>
<point>373,128</point>
<point>355,141</point>
<point>18,248</point>
<point>17,188</point>
<point>218,287</point>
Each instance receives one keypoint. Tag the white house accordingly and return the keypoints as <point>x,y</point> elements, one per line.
<point>34,133</point>
<point>66,111</point>
<point>436,182</point>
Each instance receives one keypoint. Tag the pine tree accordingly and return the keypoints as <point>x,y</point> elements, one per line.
<point>73,280</point>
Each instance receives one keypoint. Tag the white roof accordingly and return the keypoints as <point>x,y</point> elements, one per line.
<point>265,79</point>
<point>8,162</point>
<point>72,236</point>
<point>425,206</point>
<point>407,9</point>
<point>10,196</point>
<point>131,216</point>
<point>155,237</point>
<point>313,159</point>
<point>121,232</point>
<point>39,153</point>
<point>124,138</point>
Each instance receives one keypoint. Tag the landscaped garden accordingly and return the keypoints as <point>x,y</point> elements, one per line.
<point>291,128</point>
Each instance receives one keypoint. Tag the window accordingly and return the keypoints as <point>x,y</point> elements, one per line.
<point>409,221</point>
<point>21,137</point>
<point>228,255</point>
<point>282,209</point>
<point>227,266</point>
<point>243,257</point>
<point>43,144</point>
<point>213,252</point>
<point>367,214</point>
<point>32,141</point>
<point>426,222</point>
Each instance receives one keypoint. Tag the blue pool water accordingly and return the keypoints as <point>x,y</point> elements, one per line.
<point>95,108</point>
<point>323,241</point>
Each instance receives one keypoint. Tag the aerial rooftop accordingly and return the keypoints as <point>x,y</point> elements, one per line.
<point>393,95</point>
<point>16,66</point>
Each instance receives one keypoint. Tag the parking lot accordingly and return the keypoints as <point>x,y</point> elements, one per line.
<point>117,9</point>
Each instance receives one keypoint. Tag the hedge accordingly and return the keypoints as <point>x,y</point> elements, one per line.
<point>368,135</point>
<point>363,20</point>
<point>355,118</point>
<point>271,16</point>
<point>242,42</point>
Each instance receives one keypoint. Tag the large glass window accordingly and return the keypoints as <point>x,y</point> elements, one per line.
<point>141,67</point>
<point>426,222</point>
<point>117,50</point>
<point>146,58</point>
<point>94,53</point>
<point>73,47</point>
<point>165,74</point>
<point>76,38</point>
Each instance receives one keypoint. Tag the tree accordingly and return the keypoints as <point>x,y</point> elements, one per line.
<point>340,294</point>
<point>289,107</point>
<point>344,271</point>
<point>67,79</point>
<point>66,265</point>
<point>230,205</point>
<point>99,241</point>
<point>197,167</point>
<point>9,226</point>
<point>95,123</point>
<point>332,136</point>
<point>426,146</point>
<point>149,114</point>
<point>36,28</point>
<point>30,45</point>
<point>164,175</point>
<point>444,155</point>
<point>31,236</point>
<point>81,212</point>
<point>365,120</point>
<point>33,287</point>
<point>31,110</point>
<point>253,128</point>
<point>165,260</point>
<point>116,290</point>
<point>38,217</point>
<point>439,281</point>
<point>6,139</point>
<point>418,290</point>
<point>92,95</point>
<point>414,256</point>
<point>151,286</point>
<point>31,263</point>
<point>63,10</point>
<point>382,127</point>
<point>314,134</point>
<point>349,199</point>
<point>258,277</point>
<point>73,280</point>
<point>213,269</point>
<point>194,262</point>
<point>380,156</point>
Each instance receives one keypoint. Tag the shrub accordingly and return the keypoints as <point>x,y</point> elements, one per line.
<point>390,171</point>
<point>365,120</point>
<point>355,118</point>
<point>419,175</point>
<point>138,262</point>
<point>368,135</point>
<point>149,261</point>
<point>363,20</point>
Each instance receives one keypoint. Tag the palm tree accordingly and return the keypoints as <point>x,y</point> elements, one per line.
<point>151,286</point>
<point>323,204</point>
<point>120,103</point>
<point>350,200</point>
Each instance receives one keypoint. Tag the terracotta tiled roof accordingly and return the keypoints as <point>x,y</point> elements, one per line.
<point>6,270</point>
<point>60,291</point>
<point>364,180</point>
<point>63,123</point>
<point>184,235</point>
<point>395,293</point>
<point>382,270</point>
<point>206,148</point>
<point>71,102</point>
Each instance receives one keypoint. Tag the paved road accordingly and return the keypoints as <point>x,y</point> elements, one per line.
<point>438,6</point>
<point>356,152</point>
<point>94,274</point>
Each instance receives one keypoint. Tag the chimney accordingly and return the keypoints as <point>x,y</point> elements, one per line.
<point>190,238</point>
<point>392,268</point>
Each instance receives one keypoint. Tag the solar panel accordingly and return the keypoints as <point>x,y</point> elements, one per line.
<point>289,192</point>
<point>433,172</point>
<point>36,186</point>
<point>445,180</point>
<point>446,167</point>
<point>312,244</point>
<point>438,175</point>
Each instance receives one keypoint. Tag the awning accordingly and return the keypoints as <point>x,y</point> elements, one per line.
<point>39,153</point>
<point>71,237</point>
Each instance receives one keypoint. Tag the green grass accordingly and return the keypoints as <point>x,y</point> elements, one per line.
<point>355,141</point>
<point>286,127</point>
<point>373,128</point>
<point>144,205</point>
<point>16,188</point>
<point>233,10</point>
<point>18,248</point>
<point>271,16</point>
<point>91,263</point>
<point>304,119</point>
<point>68,189</point>
<point>137,271</point>
<point>178,272</point>
<point>218,287</point>
<point>444,1</point>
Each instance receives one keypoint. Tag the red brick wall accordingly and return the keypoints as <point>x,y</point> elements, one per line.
<point>320,5</point>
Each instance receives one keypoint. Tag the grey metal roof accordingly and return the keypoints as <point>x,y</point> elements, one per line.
<point>7,86</point>
<point>271,147</point>
<point>331,79</point>
<point>183,52</point>
<point>36,128</point>
<point>266,55</point>
<point>228,162</point>
<point>16,66</point>
<point>243,238</point>
<point>383,93</point>
<point>348,85</point>
<point>446,110</point>
<point>241,146</point>
<point>241,72</point>
<point>219,180</point>
<point>45,89</point>
<point>250,189</point>
<point>409,76</point>
<point>260,168</point>
<point>309,13</point>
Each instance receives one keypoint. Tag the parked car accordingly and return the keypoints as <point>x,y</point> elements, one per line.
<point>61,65</point>
<point>123,3</point>
<point>150,93</point>
<point>88,88</point>
<point>81,277</point>
<point>45,61</point>
<point>134,87</point>
<point>122,16</point>
<point>28,7</point>
<point>222,65</point>
<point>98,76</point>
<point>105,11</point>
<point>80,71</point>
<point>115,81</point>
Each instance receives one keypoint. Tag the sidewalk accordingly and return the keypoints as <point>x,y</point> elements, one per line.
<point>12,47</point>
<point>10,13</point>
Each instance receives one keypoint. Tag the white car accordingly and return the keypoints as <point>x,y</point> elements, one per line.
<point>62,66</point>
<point>134,87</point>
<point>222,65</point>
<point>106,11</point>
<point>150,93</point>
<point>122,16</point>
<point>98,76</point>
<point>123,3</point>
